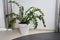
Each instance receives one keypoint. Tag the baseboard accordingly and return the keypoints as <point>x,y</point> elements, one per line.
<point>40,29</point>
<point>43,30</point>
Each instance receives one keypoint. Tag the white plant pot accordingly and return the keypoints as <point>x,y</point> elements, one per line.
<point>24,29</point>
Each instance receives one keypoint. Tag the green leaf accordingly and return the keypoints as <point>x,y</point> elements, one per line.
<point>11,23</point>
<point>21,11</point>
<point>35,22</point>
<point>43,22</point>
<point>28,10</point>
<point>11,14</point>
<point>14,3</point>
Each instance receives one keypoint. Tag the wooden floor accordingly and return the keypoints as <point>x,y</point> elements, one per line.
<point>12,34</point>
<point>41,36</point>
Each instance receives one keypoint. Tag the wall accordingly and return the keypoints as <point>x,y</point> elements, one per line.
<point>47,6</point>
<point>2,23</point>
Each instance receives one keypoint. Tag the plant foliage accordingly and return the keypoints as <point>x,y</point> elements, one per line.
<point>29,16</point>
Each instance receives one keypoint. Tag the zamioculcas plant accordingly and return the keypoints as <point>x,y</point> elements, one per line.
<point>25,16</point>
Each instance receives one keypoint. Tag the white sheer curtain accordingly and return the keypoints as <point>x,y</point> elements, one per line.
<point>2,22</point>
<point>7,10</point>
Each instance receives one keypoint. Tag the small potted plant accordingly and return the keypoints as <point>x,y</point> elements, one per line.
<point>25,17</point>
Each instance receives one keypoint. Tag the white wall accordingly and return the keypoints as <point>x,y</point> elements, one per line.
<point>47,6</point>
<point>2,22</point>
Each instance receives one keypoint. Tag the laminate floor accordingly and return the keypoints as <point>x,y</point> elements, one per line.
<point>41,36</point>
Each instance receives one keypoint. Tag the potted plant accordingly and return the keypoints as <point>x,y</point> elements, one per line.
<point>25,17</point>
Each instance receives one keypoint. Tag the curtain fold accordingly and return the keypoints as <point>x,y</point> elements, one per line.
<point>7,9</point>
